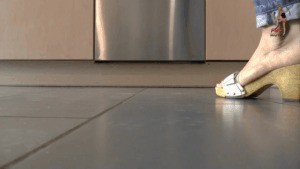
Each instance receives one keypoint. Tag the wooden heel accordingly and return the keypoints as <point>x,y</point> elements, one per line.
<point>288,81</point>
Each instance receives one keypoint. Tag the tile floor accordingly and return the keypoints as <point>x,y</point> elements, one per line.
<point>145,128</point>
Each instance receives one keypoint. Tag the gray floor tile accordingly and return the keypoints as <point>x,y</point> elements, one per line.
<point>19,136</point>
<point>273,95</point>
<point>62,102</point>
<point>14,91</point>
<point>180,129</point>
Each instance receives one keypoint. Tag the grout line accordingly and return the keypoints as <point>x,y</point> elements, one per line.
<point>68,132</point>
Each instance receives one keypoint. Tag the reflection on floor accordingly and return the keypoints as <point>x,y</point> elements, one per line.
<point>145,128</point>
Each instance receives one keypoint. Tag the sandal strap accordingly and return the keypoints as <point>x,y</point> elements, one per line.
<point>232,87</point>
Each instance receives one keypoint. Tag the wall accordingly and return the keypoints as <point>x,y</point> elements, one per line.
<point>46,29</point>
<point>231,32</point>
<point>63,29</point>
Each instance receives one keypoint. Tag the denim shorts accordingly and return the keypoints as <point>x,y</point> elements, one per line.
<point>267,9</point>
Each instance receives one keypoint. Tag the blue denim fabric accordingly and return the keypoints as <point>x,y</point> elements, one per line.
<point>266,8</point>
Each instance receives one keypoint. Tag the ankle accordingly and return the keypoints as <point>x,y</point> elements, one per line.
<point>270,43</point>
<point>293,32</point>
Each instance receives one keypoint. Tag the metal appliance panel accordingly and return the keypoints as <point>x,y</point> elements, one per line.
<point>150,30</point>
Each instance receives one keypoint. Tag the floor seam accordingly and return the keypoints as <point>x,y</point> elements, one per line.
<point>59,137</point>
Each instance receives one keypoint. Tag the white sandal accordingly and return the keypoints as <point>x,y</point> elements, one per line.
<point>287,79</point>
<point>232,88</point>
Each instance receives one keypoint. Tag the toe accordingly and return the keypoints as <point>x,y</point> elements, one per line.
<point>219,85</point>
<point>219,91</point>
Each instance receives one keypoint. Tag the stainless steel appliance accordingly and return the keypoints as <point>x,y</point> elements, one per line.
<point>150,30</point>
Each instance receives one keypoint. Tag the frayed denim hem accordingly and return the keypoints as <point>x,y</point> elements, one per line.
<point>292,12</point>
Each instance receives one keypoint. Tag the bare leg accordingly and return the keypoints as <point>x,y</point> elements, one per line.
<point>284,28</point>
<point>273,53</point>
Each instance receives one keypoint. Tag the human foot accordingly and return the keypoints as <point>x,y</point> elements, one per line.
<point>287,79</point>
<point>273,52</point>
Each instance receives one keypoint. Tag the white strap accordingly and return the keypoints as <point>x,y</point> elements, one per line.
<point>232,87</point>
